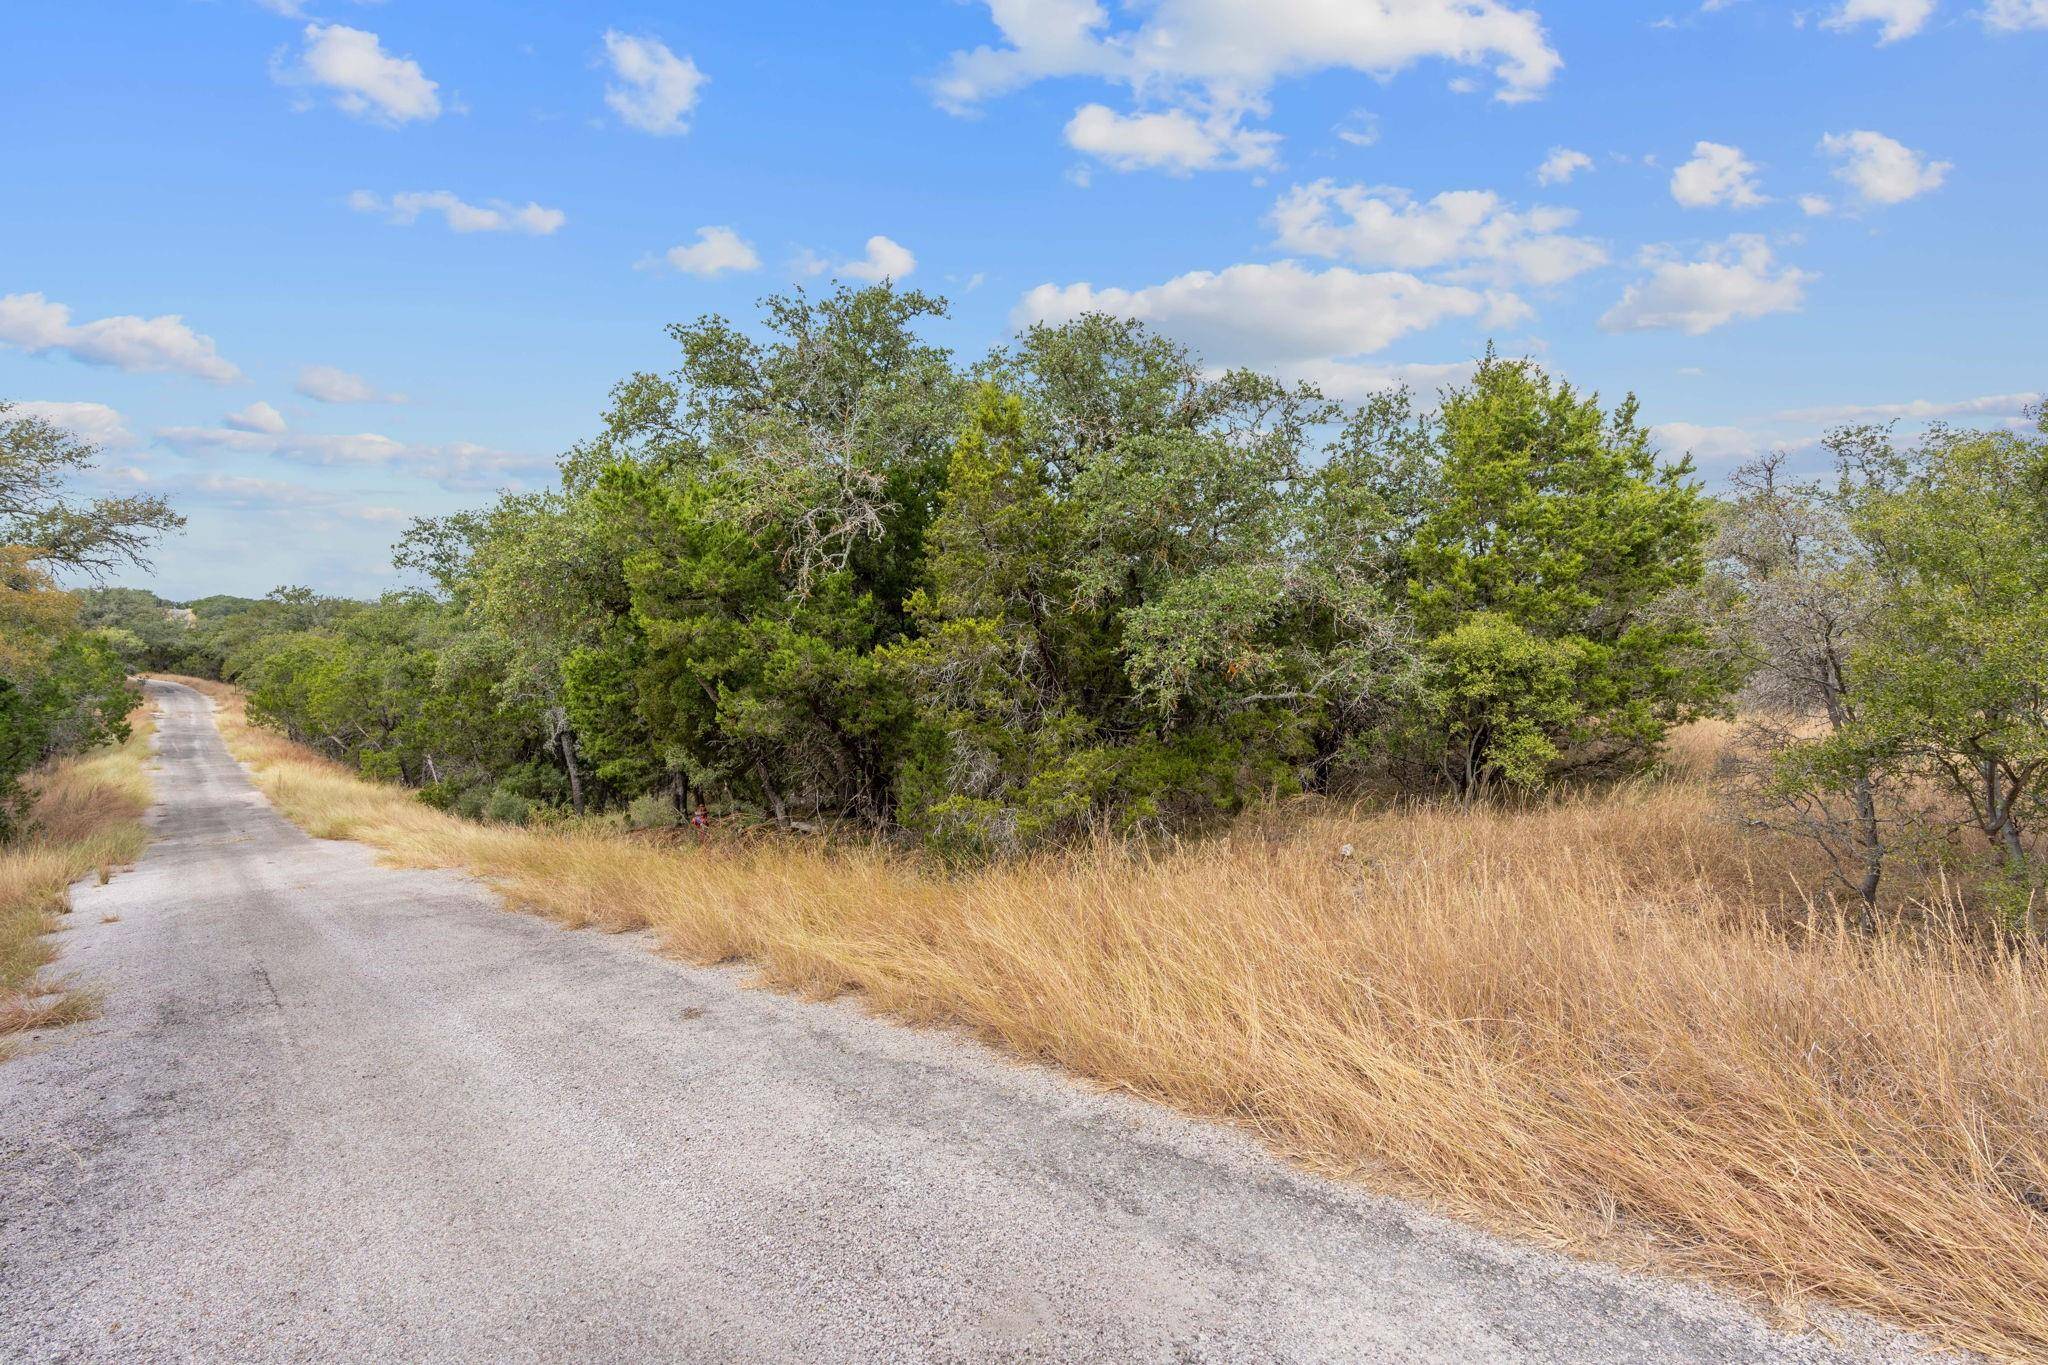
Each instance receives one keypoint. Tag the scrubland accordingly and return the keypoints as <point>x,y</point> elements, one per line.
<point>1615,1022</point>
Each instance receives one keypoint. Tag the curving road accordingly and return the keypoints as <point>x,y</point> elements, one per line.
<point>337,1111</point>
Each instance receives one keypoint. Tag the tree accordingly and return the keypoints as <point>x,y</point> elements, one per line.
<point>1802,596</point>
<point>61,689</point>
<point>1953,667</point>
<point>1126,623</point>
<point>1558,550</point>
<point>57,530</point>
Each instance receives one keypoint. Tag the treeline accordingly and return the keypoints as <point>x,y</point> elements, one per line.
<point>827,573</point>
<point>1081,585</point>
<point>63,687</point>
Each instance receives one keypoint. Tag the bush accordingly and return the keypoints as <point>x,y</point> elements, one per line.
<point>441,795</point>
<point>651,812</point>
<point>507,808</point>
<point>380,766</point>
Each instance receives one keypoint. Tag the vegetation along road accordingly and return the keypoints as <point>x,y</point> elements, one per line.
<point>333,1109</point>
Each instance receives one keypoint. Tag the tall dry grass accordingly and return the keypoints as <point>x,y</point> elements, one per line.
<point>86,818</point>
<point>1588,1022</point>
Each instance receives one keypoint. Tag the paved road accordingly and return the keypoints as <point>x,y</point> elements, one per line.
<point>336,1111</point>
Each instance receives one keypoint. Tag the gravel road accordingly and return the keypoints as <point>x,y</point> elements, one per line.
<point>338,1111</point>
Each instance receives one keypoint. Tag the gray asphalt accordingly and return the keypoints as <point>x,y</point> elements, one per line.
<point>338,1111</point>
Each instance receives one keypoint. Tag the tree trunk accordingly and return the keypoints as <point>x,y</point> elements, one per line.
<point>1873,851</point>
<point>565,740</point>
<point>775,805</point>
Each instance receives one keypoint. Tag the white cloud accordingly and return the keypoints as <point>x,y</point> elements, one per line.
<point>1361,129</point>
<point>1897,18</point>
<point>1202,56</point>
<point>2013,15</point>
<point>656,89</point>
<point>247,494</point>
<point>1732,280</point>
<point>885,260</point>
<point>159,345</point>
<point>258,416</point>
<point>94,422</point>
<point>1229,45</point>
<point>1280,314</point>
<point>1816,205</point>
<point>1715,444</point>
<point>1716,175</point>
<point>1561,165</point>
<point>496,216</point>
<point>1176,140</point>
<point>361,77</point>
<point>1468,229</point>
<point>717,251</point>
<point>1881,169</point>
<point>1918,410</point>
<point>1353,381</point>
<point>454,465</point>
<point>330,384</point>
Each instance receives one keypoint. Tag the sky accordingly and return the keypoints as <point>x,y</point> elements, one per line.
<point>312,268</point>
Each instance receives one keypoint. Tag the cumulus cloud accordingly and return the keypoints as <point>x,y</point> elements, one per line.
<point>258,416</point>
<point>1278,315</point>
<point>1880,169</point>
<point>654,90</point>
<point>1730,281</point>
<point>1895,19</point>
<point>717,251</point>
<point>885,260</point>
<point>360,77</point>
<point>1198,66</point>
<point>330,384</point>
<point>453,465</point>
<point>406,208</point>
<point>1177,140</point>
<point>1816,205</point>
<point>158,345</point>
<point>1717,175</point>
<point>1471,231</point>
<point>1561,165</point>
<point>2010,16</point>
<point>1228,45</point>
<point>94,422</point>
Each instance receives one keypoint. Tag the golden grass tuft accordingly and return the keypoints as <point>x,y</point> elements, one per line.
<point>1612,1022</point>
<point>86,819</point>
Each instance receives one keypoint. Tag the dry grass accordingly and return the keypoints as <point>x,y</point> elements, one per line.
<point>1589,1022</point>
<point>86,819</point>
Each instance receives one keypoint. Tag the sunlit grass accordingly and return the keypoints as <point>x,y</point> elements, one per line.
<point>1613,1022</point>
<point>86,820</point>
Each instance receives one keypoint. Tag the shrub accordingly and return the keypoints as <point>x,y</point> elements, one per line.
<point>507,808</point>
<point>651,812</point>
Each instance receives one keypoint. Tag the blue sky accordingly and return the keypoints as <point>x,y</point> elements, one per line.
<point>312,268</point>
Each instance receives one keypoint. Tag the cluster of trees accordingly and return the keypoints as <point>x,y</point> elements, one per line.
<point>1084,584</point>
<point>1895,622</point>
<point>63,688</point>
<point>825,572</point>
